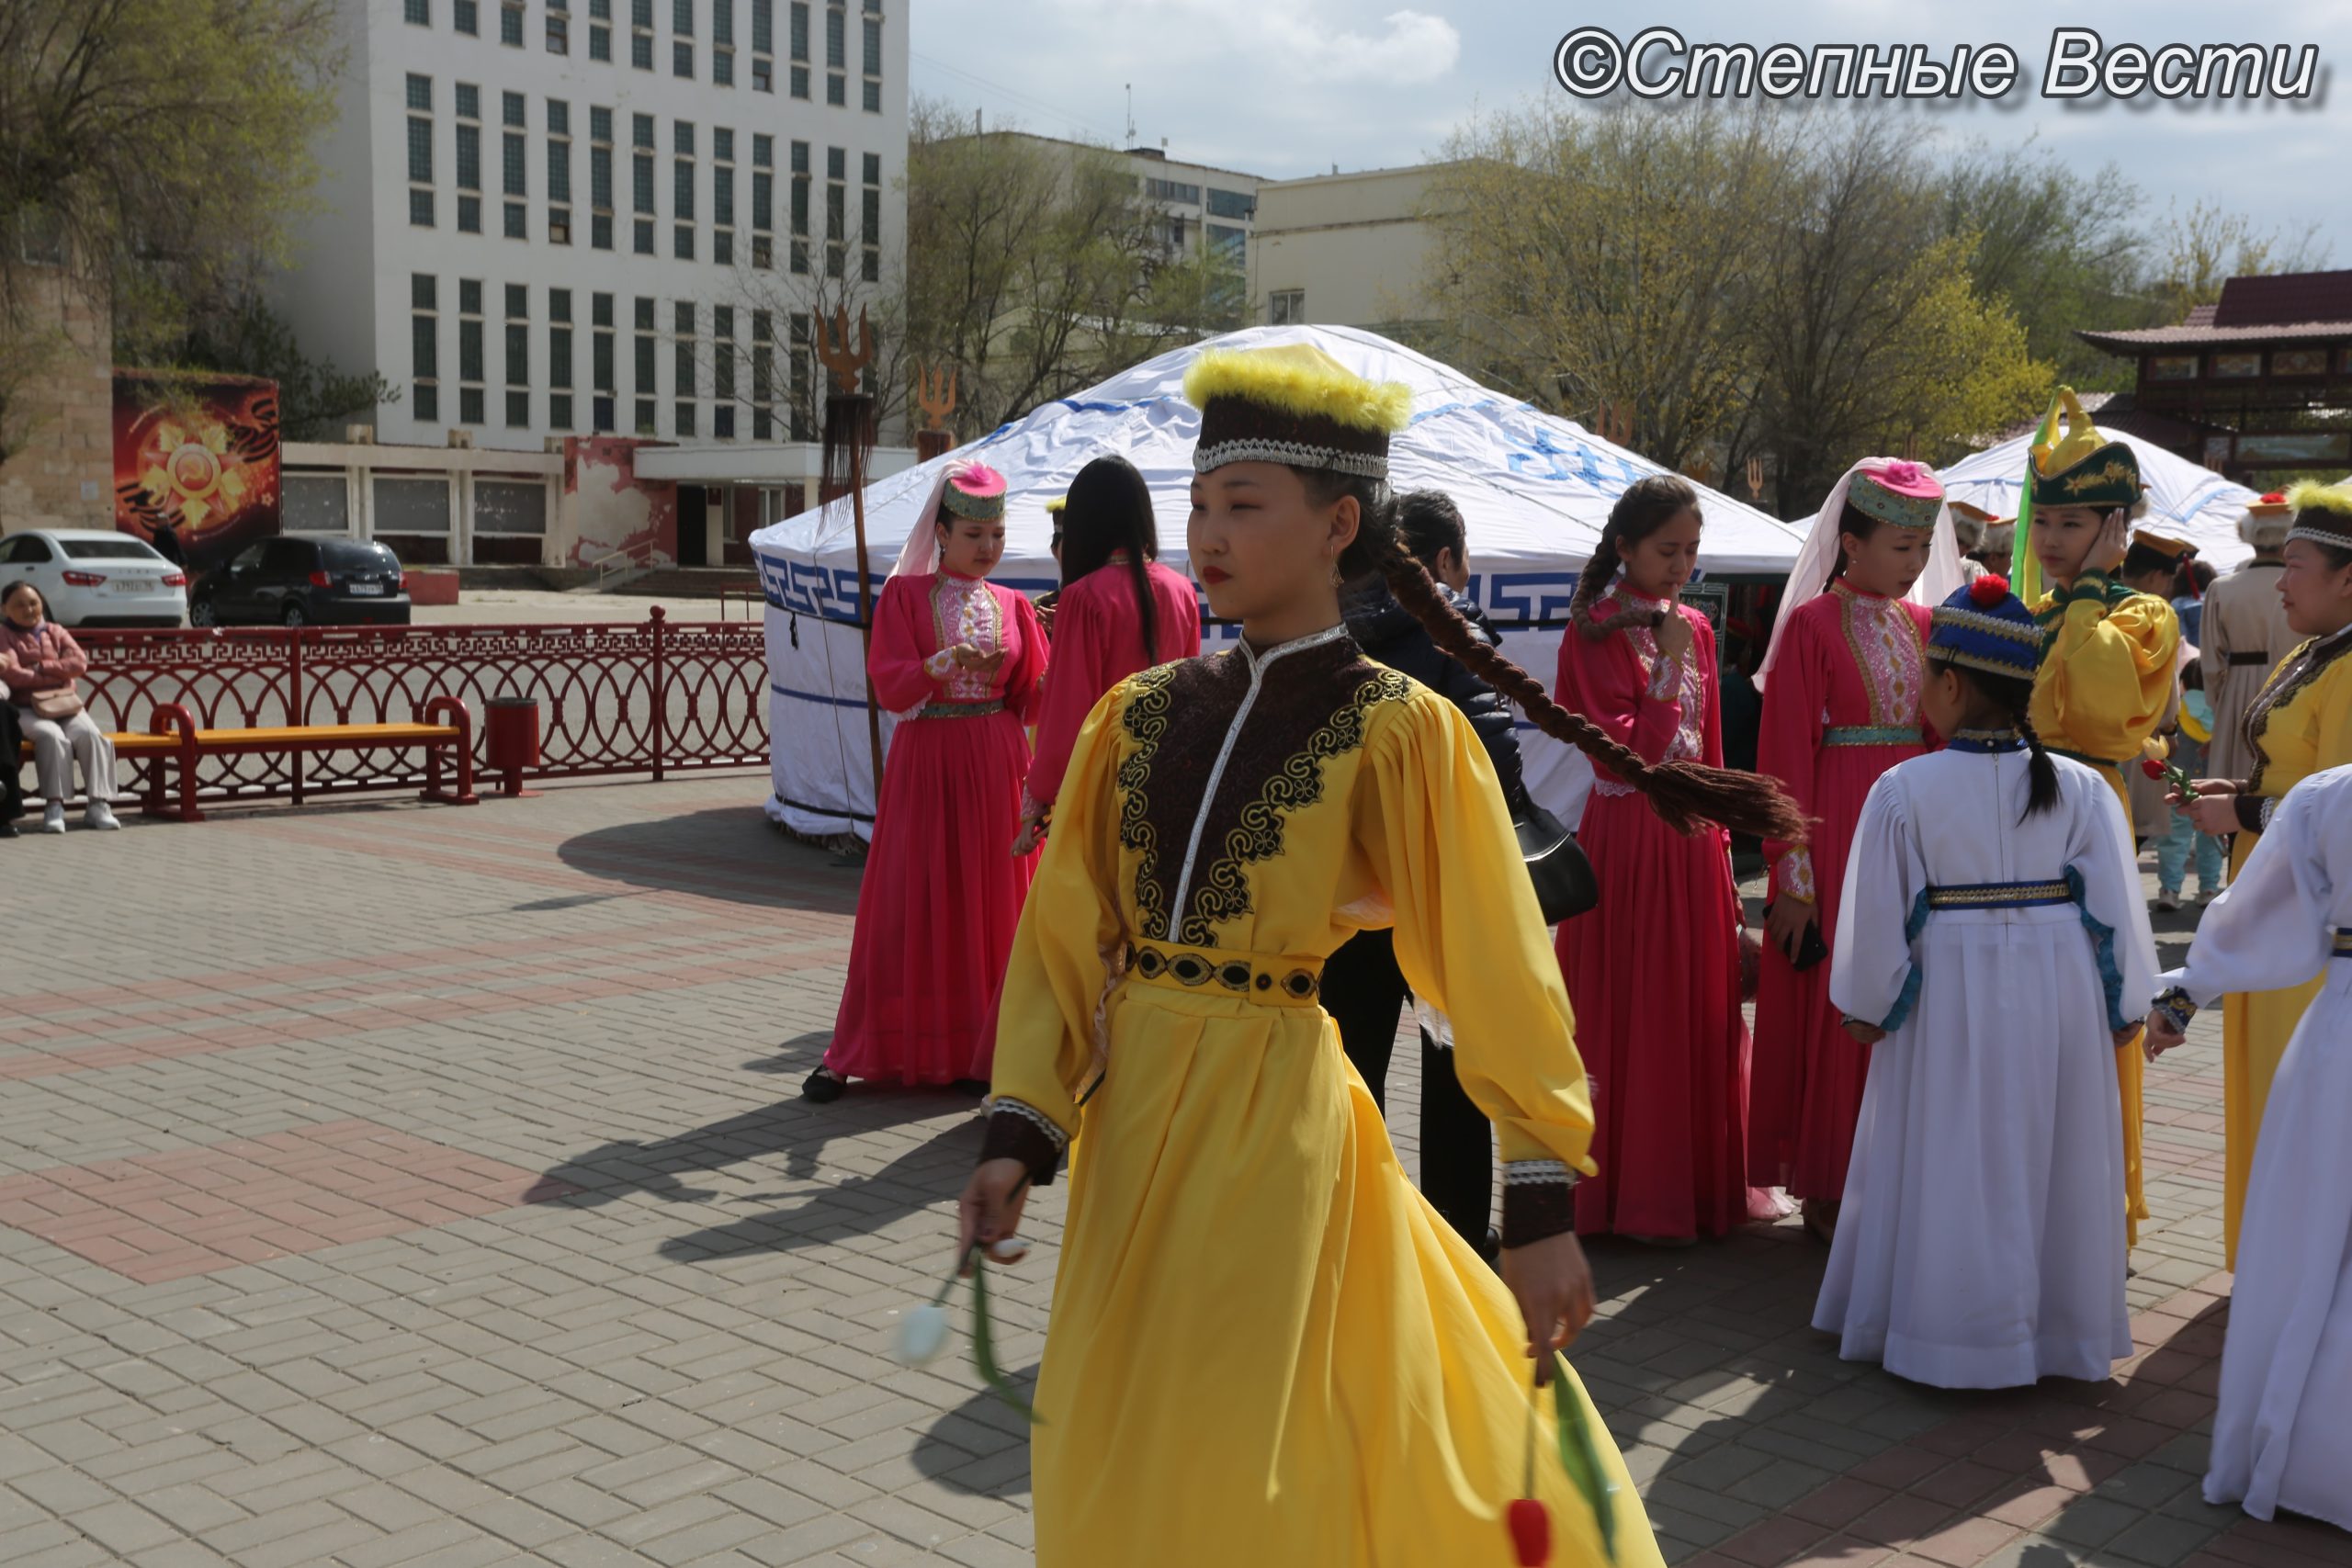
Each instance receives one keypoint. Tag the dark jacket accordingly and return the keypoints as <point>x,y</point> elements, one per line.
<point>1387,632</point>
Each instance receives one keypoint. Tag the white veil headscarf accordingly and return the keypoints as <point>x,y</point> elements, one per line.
<point>919,555</point>
<point>1809,579</point>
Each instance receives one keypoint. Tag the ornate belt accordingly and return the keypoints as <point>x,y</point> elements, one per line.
<point>1999,894</point>
<point>1871,735</point>
<point>2343,942</point>
<point>959,710</point>
<point>2249,658</point>
<point>1274,980</point>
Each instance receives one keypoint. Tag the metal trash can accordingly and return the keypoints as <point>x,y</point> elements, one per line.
<point>513,737</point>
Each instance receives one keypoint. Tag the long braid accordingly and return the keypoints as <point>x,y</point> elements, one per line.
<point>2041,774</point>
<point>1687,796</point>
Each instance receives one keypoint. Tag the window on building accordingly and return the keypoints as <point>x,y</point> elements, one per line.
<point>518,222</point>
<point>800,49</point>
<point>601,362</point>
<point>558,26</point>
<point>1232,204</point>
<point>640,131</point>
<point>418,12</point>
<point>641,34</point>
<point>559,171</point>
<point>600,32</point>
<point>514,110</point>
<point>560,358</point>
<point>600,177</point>
<point>1173,190</point>
<point>804,404</point>
<point>1228,244</point>
<point>763,45</point>
<point>468,98</point>
<point>420,151</point>
<point>869,232</point>
<point>722,42</point>
<point>722,371</point>
<point>763,376</point>
<point>682,60</point>
<point>514,164</point>
<point>641,190</point>
<point>510,25</point>
<point>722,197</point>
<point>683,368</point>
<point>836,211</point>
<point>519,355</point>
<point>873,88</point>
<point>467,15</point>
<point>836,54</point>
<point>800,183</point>
<point>470,373</point>
<point>648,394</point>
<point>424,358</point>
<point>1286,306</point>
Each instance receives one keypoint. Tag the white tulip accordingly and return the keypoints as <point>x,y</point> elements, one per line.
<point>1012,1249</point>
<point>924,1334</point>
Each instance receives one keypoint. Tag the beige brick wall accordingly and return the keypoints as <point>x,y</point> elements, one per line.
<point>63,476</point>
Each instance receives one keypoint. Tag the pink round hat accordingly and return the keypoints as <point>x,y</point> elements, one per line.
<point>1898,491</point>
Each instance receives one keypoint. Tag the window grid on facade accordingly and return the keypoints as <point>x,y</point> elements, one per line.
<point>722,197</point>
<point>424,358</point>
<point>803,354</point>
<point>647,393</point>
<point>722,370</point>
<point>642,182</point>
<point>722,42</point>
<point>681,189</point>
<point>836,211</point>
<point>763,376</point>
<point>800,49</point>
<point>471,396</point>
<point>519,355</point>
<point>800,183</point>
<point>466,15</point>
<point>559,171</point>
<point>872,89</point>
<point>560,358</point>
<point>418,12</point>
<point>763,45</point>
<point>420,149</point>
<point>510,25</point>
<point>558,27</point>
<point>600,32</point>
<point>683,367</point>
<point>763,200</point>
<point>600,177</point>
<point>605,378</point>
<point>870,221</point>
<point>641,34</point>
<point>469,158</point>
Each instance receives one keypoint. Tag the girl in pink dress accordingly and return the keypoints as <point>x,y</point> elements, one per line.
<point>1121,612</point>
<point>959,659</point>
<point>1841,705</point>
<point>1653,970</point>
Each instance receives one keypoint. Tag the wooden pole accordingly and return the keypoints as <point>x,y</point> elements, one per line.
<point>850,418</point>
<point>865,606</point>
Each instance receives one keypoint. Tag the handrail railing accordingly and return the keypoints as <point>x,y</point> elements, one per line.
<point>627,555</point>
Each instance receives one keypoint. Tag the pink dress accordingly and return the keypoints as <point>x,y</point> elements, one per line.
<point>1653,970</point>
<point>1097,643</point>
<point>942,891</point>
<point>1841,708</point>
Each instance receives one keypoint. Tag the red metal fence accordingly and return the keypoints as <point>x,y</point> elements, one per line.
<point>613,699</point>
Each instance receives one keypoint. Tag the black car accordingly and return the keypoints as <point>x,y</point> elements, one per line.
<point>298,582</point>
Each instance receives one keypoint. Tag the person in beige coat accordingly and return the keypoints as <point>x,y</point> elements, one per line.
<point>2246,635</point>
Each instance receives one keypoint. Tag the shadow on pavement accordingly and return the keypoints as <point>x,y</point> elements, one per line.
<point>731,853</point>
<point>980,1447</point>
<point>859,1204</point>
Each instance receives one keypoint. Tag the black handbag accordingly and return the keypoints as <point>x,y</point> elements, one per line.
<point>1565,884</point>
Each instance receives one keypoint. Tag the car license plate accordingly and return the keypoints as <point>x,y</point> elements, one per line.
<point>367,588</point>
<point>130,585</point>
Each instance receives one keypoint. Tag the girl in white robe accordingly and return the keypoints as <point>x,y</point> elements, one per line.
<point>2282,1435</point>
<point>1991,931</point>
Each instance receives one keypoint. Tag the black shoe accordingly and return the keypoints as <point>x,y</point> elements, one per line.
<point>7,828</point>
<point>823,1087</point>
<point>975,1088</point>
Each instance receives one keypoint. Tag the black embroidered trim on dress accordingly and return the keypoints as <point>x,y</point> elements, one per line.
<point>2306,664</point>
<point>1146,722</point>
<point>1222,885</point>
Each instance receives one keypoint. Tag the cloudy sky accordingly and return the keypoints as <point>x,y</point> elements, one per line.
<point>1289,87</point>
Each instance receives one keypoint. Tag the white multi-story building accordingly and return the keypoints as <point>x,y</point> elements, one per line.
<point>546,218</point>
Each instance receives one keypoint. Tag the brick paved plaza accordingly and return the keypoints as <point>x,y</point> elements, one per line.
<point>387,1186</point>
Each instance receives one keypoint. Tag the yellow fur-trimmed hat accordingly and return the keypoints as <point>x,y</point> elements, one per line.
<point>1293,404</point>
<point>2322,514</point>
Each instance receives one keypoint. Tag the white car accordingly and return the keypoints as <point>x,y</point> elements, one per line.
<point>89,577</point>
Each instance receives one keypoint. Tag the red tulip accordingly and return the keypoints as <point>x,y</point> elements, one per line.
<point>1530,1532</point>
<point>2150,767</point>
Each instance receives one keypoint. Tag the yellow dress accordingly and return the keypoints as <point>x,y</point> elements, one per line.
<point>2107,679</point>
<point>1265,1347</point>
<point>2300,724</point>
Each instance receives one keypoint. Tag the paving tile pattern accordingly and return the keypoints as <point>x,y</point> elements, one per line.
<point>413,1186</point>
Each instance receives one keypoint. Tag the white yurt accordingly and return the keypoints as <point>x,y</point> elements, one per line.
<point>1534,489</point>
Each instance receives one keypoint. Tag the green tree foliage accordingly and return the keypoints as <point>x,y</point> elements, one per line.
<point>152,150</point>
<point>245,338</point>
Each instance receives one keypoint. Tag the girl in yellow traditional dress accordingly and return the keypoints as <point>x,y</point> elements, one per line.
<point>2299,725</point>
<point>2107,665</point>
<point>1265,1347</point>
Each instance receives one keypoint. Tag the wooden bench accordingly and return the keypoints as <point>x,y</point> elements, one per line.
<point>172,739</point>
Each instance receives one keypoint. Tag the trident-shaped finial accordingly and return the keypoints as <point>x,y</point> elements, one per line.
<point>832,348</point>
<point>935,391</point>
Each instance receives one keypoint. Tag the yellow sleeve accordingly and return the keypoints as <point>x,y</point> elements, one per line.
<point>1055,977</point>
<point>2332,744</point>
<point>1430,816</point>
<point>2108,677</point>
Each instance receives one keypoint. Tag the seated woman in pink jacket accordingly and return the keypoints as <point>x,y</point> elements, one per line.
<point>1120,611</point>
<point>39,662</point>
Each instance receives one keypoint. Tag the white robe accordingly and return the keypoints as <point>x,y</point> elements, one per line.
<point>2282,1435</point>
<point>1981,1244</point>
